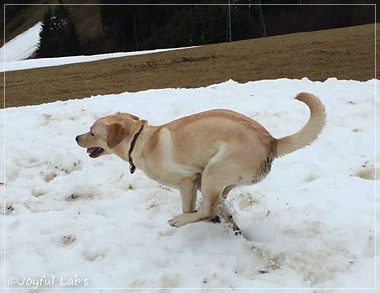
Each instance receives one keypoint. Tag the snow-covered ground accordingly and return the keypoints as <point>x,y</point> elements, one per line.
<point>89,223</point>
<point>24,45</point>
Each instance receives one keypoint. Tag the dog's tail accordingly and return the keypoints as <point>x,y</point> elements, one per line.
<point>309,132</point>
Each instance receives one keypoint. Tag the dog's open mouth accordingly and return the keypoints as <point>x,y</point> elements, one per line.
<point>94,152</point>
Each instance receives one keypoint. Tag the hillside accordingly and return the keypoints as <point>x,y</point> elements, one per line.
<point>346,53</point>
<point>110,28</point>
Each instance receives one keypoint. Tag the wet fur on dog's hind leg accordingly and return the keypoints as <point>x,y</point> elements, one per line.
<point>225,213</point>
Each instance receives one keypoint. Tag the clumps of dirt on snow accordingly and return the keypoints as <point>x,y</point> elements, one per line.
<point>246,200</point>
<point>68,239</point>
<point>9,208</point>
<point>93,255</point>
<point>62,168</point>
<point>368,171</point>
<point>79,196</point>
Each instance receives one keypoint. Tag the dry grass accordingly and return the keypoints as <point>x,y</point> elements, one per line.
<point>346,53</point>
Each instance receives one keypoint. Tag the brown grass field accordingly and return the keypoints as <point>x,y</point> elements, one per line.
<point>346,53</point>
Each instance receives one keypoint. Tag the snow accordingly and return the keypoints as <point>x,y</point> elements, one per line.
<point>73,221</point>
<point>24,45</point>
<point>47,62</point>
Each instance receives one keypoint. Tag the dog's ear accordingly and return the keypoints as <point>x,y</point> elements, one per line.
<point>127,116</point>
<point>134,117</point>
<point>116,132</point>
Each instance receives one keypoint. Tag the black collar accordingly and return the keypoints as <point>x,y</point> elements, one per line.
<point>132,167</point>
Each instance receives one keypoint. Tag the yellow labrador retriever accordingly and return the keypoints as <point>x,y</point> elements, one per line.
<point>212,151</point>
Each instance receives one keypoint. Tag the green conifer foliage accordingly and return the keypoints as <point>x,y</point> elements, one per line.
<point>58,36</point>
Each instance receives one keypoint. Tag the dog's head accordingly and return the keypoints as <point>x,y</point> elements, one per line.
<point>109,132</point>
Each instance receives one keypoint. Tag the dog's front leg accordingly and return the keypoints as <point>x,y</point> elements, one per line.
<point>216,177</point>
<point>188,190</point>
<point>207,211</point>
<point>210,197</point>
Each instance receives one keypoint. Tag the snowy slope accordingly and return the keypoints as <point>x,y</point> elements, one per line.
<point>22,46</point>
<point>47,62</point>
<point>73,220</point>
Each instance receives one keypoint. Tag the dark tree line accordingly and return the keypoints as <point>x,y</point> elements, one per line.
<point>131,27</point>
<point>58,36</point>
<point>159,26</point>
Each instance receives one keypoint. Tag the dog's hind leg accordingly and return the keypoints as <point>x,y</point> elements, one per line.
<point>225,213</point>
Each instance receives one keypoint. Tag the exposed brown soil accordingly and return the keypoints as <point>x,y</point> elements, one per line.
<point>347,53</point>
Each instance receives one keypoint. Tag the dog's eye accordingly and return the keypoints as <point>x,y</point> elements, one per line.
<point>92,134</point>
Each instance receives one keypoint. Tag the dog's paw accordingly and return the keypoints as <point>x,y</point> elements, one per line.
<point>178,221</point>
<point>216,220</point>
<point>237,232</point>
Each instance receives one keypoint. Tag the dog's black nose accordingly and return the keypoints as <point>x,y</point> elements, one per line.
<point>77,138</point>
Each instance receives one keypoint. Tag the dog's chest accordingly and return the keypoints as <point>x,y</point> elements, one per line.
<point>166,174</point>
